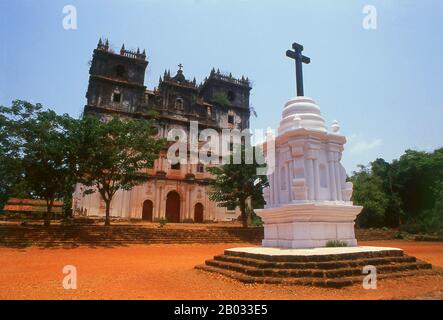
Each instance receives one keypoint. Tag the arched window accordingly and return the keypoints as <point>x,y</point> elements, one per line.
<point>116,96</point>
<point>179,103</point>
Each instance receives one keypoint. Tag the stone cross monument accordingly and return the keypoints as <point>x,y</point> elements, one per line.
<point>308,204</point>
<point>308,201</point>
<point>299,60</point>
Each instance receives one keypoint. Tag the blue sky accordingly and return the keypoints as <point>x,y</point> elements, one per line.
<point>384,86</point>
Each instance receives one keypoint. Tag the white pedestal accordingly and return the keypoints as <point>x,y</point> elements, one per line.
<point>309,225</point>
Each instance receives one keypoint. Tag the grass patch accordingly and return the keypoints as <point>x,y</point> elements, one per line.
<point>336,243</point>
<point>27,243</point>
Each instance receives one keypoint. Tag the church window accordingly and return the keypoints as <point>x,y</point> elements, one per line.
<point>179,103</point>
<point>116,97</point>
<point>200,168</point>
<point>230,119</point>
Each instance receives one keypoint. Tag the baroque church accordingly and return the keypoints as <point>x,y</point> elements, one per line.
<point>177,192</point>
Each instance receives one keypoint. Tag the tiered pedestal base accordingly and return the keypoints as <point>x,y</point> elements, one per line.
<point>309,225</point>
<point>326,267</point>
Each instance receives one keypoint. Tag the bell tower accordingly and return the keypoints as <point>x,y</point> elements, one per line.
<point>231,96</point>
<point>116,80</point>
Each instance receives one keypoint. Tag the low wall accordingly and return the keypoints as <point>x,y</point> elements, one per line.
<point>30,206</point>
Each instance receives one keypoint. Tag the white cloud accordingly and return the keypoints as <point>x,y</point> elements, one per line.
<point>359,145</point>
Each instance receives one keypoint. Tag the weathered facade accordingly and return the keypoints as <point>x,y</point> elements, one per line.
<point>176,192</point>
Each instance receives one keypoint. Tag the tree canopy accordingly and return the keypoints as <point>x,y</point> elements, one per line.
<point>43,155</point>
<point>112,155</point>
<point>406,192</point>
<point>233,184</point>
<point>35,153</point>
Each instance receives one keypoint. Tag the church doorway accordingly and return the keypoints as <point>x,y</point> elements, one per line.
<point>173,207</point>
<point>147,210</point>
<point>198,213</point>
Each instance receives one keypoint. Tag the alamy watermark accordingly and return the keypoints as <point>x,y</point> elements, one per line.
<point>69,21</point>
<point>209,146</point>
<point>370,281</point>
<point>370,19</point>
<point>70,280</point>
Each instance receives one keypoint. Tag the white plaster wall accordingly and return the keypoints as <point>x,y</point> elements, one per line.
<point>129,204</point>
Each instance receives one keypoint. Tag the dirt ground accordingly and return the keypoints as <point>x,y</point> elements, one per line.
<point>167,272</point>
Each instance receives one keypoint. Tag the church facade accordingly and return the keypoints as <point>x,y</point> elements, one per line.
<point>177,192</point>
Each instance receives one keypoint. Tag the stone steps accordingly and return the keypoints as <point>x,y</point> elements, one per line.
<point>327,265</point>
<point>318,282</point>
<point>304,272</point>
<point>127,234</point>
<point>336,271</point>
<point>15,235</point>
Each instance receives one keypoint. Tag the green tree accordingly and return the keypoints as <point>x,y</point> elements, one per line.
<point>10,165</point>
<point>368,192</point>
<point>37,143</point>
<point>438,206</point>
<point>112,155</point>
<point>416,175</point>
<point>386,172</point>
<point>413,189</point>
<point>411,182</point>
<point>233,184</point>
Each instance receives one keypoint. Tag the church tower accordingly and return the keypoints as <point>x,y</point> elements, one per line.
<point>116,81</point>
<point>231,96</point>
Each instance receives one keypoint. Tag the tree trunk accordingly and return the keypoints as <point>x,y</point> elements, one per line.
<point>47,215</point>
<point>67,207</point>
<point>108,209</point>
<point>244,213</point>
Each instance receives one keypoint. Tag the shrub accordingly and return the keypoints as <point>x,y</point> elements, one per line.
<point>400,235</point>
<point>27,243</point>
<point>256,221</point>
<point>221,99</point>
<point>411,227</point>
<point>162,222</point>
<point>429,221</point>
<point>336,243</point>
